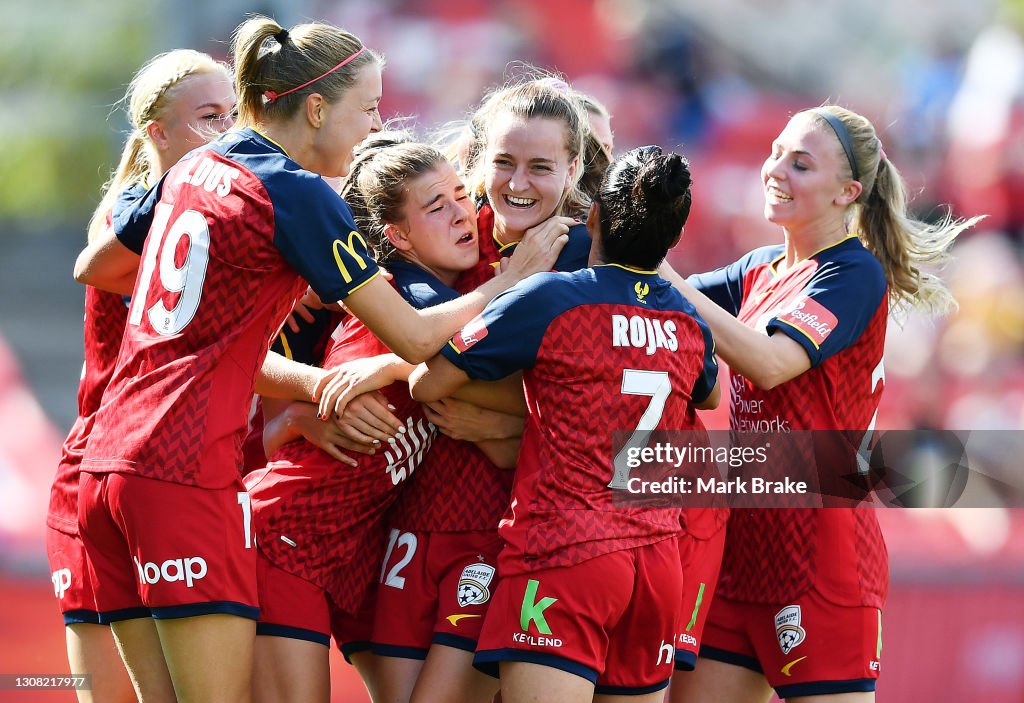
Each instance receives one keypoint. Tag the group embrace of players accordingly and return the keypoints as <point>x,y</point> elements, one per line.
<point>425,476</point>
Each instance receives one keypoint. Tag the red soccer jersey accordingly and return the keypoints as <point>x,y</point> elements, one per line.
<point>231,227</point>
<point>600,349</point>
<point>322,520</point>
<point>456,489</point>
<point>105,315</point>
<point>834,305</point>
<point>103,326</point>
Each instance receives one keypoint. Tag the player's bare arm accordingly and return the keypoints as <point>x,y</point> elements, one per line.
<point>366,422</point>
<point>765,360</point>
<point>280,377</point>
<point>504,396</point>
<point>503,453</point>
<point>472,423</point>
<point>107,264</point>
<point>436,379</point>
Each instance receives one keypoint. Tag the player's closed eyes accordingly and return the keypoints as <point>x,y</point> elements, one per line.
<point>220,116</point>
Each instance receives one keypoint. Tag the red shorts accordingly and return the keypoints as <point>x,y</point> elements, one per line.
<point>166,549</point>
<point>435,589</point>
<point>70,575</point>
<point>291,606</point>
<point>809,647</point>
<point>352,631</point>
<point>702,561</point>
<point>611,619</point>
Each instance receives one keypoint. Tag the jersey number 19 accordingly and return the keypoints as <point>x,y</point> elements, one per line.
<point>186,279</point>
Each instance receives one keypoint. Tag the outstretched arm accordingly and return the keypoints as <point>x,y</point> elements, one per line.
<point>765,360</point>
<point>417,335</point>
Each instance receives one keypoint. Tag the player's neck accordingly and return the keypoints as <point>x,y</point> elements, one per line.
<point>296,142</point>
<point>506,236</point>
<point>802,244</point>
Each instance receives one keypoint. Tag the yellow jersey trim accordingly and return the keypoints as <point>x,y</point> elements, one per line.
<point>277,144</point>
<point>809,337</point>
<point>287,348</point>
<point>375,274</point>
<point>775,262</point>
<point>502,247</point>
<point>631,269</point>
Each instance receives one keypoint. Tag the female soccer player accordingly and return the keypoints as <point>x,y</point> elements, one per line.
<point>609,346</point>
<point>227,236</point>
<point>802,326</point>
<point>320,528</point>
<point>175,102</point>
<point>437,582</point>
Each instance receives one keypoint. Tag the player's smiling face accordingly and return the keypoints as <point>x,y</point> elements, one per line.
<point>439,229</point>
<point>347,121</point>
<point>803,177</point>
<point>528,171</point>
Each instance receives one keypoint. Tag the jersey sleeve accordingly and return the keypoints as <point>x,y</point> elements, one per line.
<point>836,307</point>
<point>575,255</point>
<point>725,285</point>
<point>419,288</point>
<point>306,346</point>
<point>316,234</point>
<point>507,335</point>
<point>132,215</point>
<point>708,377</point>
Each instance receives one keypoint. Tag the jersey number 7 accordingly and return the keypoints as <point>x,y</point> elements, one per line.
<point>657,385</point>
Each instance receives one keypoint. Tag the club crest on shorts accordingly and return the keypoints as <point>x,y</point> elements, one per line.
<point>473,584</point>
<point>787,628</point>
